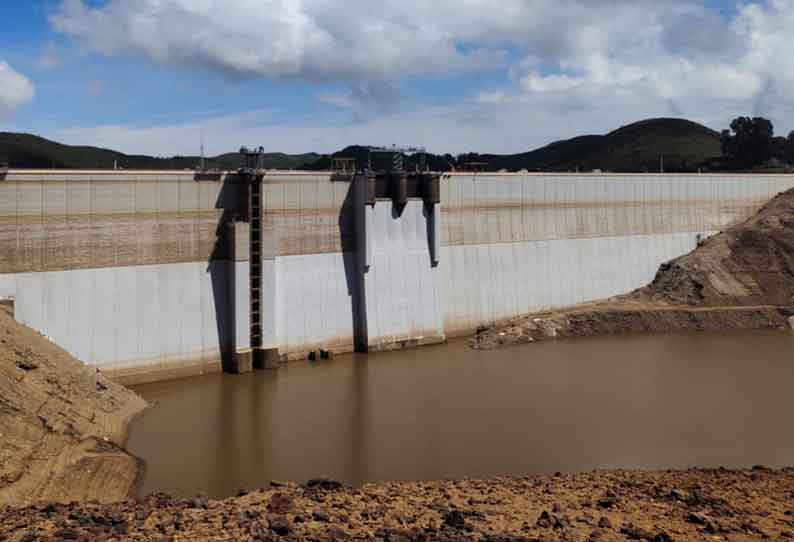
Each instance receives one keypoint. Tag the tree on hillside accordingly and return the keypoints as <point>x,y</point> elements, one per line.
<point>749,142</point>
<point>789,154</point>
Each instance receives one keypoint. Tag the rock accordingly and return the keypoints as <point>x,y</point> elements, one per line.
<point>679,495</point>
<point>27,365</point>
<point>545,521</point>
<point>597,534</point>
<point>337,533</point>
<point>280,503</point>
<point>327,484</point>
<point>698,519</point>
<point>635,532</point>
<point>66,534</point>
<point>199,503</point>
<point>605,523</point>
<point>454,519</point>
<point>608,501</point>
<point>319,515</point>
<point>278,524</point>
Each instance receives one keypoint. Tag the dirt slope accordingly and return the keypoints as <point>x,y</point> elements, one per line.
<point>742,278</point>
<point>61,424</point>
<point>749,264</point>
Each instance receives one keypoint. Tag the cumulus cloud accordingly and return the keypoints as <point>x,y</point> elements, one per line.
<point>313,39</point>
<point>581,65</point>
<point>359,39</point>
<point>15,88</point>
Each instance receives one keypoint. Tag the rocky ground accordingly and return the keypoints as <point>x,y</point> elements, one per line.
<point>742,278</point>
<point>619,505</point>
<point>62,425</point>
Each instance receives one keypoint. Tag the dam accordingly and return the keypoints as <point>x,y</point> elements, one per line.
<point>151,275</point>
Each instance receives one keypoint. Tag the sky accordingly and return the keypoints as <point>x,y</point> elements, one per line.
<point>501,76</point>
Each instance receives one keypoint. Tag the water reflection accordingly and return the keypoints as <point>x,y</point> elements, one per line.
<point>704,399</point>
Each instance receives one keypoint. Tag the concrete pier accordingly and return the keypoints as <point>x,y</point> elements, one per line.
<point>147,275</point>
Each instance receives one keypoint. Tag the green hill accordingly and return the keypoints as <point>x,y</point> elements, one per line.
<point>29,151</point>
<point>685,145</point>
<point>638,147</point>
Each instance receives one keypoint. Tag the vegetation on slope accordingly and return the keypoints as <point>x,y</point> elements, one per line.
<point>682,145</point>
<point>29,151</point>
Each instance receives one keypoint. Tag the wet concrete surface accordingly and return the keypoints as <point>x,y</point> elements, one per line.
<point>647,401</point>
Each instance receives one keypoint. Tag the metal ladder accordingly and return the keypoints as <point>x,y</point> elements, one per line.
<point>255,261</point>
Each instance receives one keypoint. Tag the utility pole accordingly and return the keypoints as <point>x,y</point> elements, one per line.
<point>661,163</point>
<point>201,164</point>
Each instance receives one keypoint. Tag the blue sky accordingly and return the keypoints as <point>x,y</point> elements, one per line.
<point>301,75</point>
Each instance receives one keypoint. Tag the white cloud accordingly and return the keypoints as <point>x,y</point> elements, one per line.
<point>534,82</point>
<point>353,40</point>
<point>574,66</point>
<point>15,88</point>
<point>312,39</point>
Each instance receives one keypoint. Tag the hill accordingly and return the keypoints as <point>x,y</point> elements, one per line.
<point>30,151</point>
<point>637,147</point>
<point>685,145</point>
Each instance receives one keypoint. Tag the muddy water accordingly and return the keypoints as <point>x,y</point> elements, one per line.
<point>652,401</point>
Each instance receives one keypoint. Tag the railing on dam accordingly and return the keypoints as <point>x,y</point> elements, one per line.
<point>148,273</point>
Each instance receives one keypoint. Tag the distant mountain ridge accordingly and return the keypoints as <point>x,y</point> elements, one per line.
<point>30,151</point>
<point>678,144</point>
<point>645,146</point>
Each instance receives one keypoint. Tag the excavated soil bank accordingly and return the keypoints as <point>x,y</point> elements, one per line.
<point>742,278</point>
<point>62,425</point>
<point>619,505</point>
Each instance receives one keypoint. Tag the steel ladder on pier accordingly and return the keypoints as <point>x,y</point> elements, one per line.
<point>255,262</point>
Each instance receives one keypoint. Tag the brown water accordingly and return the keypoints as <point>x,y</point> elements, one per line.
<point>650,401</point>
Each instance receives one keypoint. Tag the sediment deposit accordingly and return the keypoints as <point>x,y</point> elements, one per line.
<point>741,278</point>
<point>62,425</point>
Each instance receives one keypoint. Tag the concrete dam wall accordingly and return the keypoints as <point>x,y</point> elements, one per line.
<point>149,275</point>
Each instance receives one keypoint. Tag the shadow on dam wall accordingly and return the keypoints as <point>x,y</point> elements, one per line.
<point>222,268</point>
<point>352,220</point>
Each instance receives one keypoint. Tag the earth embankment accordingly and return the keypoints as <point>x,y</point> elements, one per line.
<point>62,424</point>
